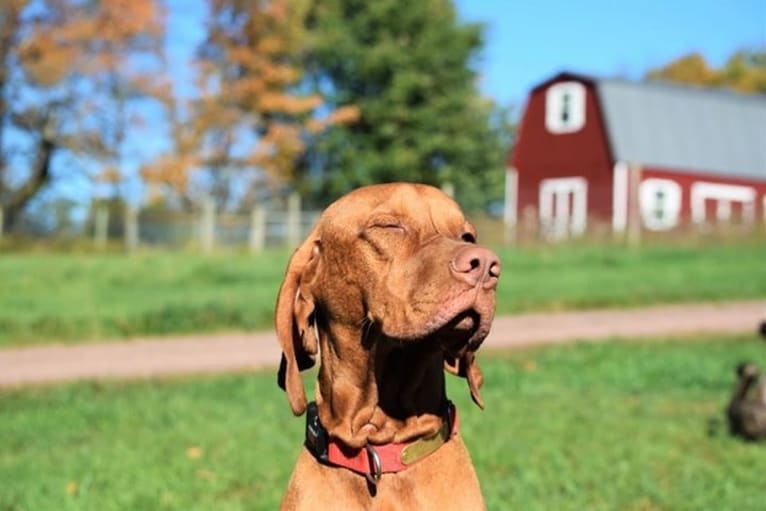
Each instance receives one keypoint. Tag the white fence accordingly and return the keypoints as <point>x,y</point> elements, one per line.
<point>210,229</point>
<point>204,229</point>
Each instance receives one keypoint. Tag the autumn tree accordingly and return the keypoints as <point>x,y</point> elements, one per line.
<point>744,71</point>
<point>251,118</point>
<point>68,68</point>
<point>408,67</point>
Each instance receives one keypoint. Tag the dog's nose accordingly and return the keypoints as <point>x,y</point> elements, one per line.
<point>475,265</point>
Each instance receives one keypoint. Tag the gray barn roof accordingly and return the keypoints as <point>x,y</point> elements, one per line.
<point>685,128</point>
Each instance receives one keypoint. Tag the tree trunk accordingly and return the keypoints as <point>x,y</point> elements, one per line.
<point>39,177</point>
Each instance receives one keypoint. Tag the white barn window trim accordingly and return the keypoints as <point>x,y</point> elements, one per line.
<point>565,107</point>
<point>724,195</point>
<point>660,203</point>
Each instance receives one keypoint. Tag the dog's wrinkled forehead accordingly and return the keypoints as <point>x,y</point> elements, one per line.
<point>420,207</point>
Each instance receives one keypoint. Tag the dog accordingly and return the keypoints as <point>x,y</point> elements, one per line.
<point>746,411</point>
<point>389,290</point>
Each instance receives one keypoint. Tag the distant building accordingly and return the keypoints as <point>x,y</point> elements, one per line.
<point>697,155</point>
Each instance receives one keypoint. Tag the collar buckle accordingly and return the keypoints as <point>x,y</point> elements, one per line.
<point>317,438</point>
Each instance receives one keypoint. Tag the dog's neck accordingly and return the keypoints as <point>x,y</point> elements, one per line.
<point>380,391</point>
<point>743,385</point>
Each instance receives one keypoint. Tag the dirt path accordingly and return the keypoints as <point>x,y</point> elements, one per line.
<point>141,358</point>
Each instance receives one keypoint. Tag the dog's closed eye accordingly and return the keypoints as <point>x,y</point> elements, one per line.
<point>390,224</point>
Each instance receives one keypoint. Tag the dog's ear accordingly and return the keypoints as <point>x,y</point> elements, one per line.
<point>294,320</point>
<point>467,367</point>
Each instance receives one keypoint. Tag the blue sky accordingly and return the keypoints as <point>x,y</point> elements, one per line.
<point>528,41</point>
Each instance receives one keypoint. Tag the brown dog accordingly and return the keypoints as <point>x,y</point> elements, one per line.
<point>389,289</point>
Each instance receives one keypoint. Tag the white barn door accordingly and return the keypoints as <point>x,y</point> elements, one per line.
<point>563,206</point>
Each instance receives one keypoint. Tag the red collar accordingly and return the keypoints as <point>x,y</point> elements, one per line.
<point>374,460</point>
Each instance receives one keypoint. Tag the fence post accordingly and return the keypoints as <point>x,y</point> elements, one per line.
<point>207,225</point>
<point>293,220</point>
<point>101,226</point>
<point>257,230</point>
<point>2,222</point>
<point>131,228</point>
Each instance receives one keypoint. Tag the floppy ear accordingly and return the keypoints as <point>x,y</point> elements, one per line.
<point>294,322</point>
<point>467,367</point>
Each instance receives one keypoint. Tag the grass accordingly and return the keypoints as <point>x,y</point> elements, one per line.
<point>630,426</point>
<point>74,297</point>
<point>77,297</point>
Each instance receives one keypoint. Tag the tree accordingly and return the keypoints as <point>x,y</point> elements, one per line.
<point>251,118</point>
<point>744,71</point>
<point>407,67</point>
<point>67,70</point>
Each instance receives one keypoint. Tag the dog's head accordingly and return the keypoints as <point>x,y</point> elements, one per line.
<point>747,371</point>
<point>400,260</point>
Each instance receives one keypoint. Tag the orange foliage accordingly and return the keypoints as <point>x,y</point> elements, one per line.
<point>88,40</point>
<point>348,114</point>
<point>172,170</point>
<point>247,77</point>
<point>692,68</point>
<point>109,174</point>
<point>247,83</point>
<point>45,58</point>
<point>744,72</point>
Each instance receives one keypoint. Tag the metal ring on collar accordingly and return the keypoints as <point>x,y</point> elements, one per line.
<point>376,468</point>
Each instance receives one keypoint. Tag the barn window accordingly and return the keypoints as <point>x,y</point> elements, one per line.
<point>722,195</point>
<point>565,107</point>
<point>659,204</point>
<point>660,201</point>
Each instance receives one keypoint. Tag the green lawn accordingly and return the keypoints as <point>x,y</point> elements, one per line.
<point>85,296</point>
<point>628,426</point>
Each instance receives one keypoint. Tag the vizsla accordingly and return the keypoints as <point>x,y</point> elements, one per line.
<point>389,289</point>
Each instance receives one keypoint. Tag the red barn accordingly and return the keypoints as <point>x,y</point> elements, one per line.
<point>586,146</point>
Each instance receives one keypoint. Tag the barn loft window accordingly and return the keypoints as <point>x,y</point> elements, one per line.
<point>565,107</point>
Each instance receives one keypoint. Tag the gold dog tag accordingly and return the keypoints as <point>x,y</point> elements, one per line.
<point>425,446</point>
